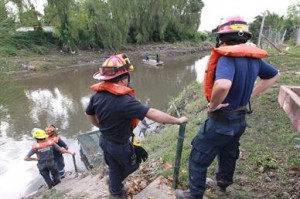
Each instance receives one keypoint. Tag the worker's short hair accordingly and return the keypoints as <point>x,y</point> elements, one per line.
<point>119,78</point>
<point>234,38</point>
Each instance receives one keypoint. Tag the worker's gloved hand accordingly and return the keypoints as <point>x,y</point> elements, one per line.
<point>141,153</point>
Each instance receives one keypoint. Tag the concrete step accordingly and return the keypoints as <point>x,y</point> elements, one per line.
<point>156,190</point>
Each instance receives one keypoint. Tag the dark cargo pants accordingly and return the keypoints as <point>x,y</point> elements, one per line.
<point>214,139</point>
<point>121,161</point>
<point>48,169</point>
<point>60,163</point>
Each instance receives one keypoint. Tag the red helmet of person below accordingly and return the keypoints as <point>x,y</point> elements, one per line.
<point>51,129</point>
<point>233,24</point>
<point>113,67</point>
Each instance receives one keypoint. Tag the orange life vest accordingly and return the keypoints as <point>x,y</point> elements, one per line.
<point>42,145</point>
<point>55,139</point>
<point>240,50</point>
<point>115,89</point>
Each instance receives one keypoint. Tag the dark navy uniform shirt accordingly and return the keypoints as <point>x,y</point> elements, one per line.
<point>60,143</point>
<point>243,73</point>
<point>44,154</point>
<point>115,114</point>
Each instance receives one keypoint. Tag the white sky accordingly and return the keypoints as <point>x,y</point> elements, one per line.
<point>214,10</point>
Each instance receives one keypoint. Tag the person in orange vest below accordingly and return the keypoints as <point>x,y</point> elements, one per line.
<point>51,130</point>
<point>44,151</point>
<point>229,83</point>
<point>114,110</point>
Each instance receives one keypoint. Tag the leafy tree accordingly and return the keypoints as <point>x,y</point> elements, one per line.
<point>168,20</point>
<point>107,22</point>
<point>289,26</point>
<point>113,23</point>
<point>254,28</point>
<point>7,29</point>
<point>274,27</point>
<point>185,19</point>
<point>293,13</point>
<point>142,20</point>
<point>30,16</point>
<point>94,14</point>
<point>58,14</point>
<point>117,23</point>
<point>27,14</point>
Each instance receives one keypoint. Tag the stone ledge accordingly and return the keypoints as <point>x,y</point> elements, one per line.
<point>289,100</point>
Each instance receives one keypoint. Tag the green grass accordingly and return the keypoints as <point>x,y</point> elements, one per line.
<point>267,146</point>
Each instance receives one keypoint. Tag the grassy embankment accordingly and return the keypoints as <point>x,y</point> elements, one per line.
<point>270,165</point>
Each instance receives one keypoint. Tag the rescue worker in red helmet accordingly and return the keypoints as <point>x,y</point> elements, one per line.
<point>233,30</point>
<point>51,130</point>
<point>44,149</point>
<point>229,83</point>
<point>114,109</point>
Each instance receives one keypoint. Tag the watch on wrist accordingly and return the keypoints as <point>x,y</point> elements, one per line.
<point>209,108</point>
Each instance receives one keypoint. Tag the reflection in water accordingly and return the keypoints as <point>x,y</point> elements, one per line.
<point>54,105</point>
<point>4,129</point>
<point>200,66</point>
<point>60,97</point>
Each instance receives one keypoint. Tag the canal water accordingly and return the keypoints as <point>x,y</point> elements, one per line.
<point>59,97</point>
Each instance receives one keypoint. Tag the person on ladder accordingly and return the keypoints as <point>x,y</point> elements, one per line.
<point>44,149</point>
<point>58,157</point>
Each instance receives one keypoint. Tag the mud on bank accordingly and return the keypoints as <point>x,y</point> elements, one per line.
<point>56,59</point>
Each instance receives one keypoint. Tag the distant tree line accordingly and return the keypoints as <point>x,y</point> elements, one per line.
<point>93,24</point>
<point>113,23</point>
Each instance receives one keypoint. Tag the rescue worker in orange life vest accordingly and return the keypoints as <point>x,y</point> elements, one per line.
<point>114,109</point>
<point>51,130</point>
<point>232,70</point>
<point>44,151</point>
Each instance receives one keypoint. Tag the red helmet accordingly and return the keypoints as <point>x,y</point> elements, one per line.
<point>233,24</point>
<point>50,129</point>
<point>113,67</point>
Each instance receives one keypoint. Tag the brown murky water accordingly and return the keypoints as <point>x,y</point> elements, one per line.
<point>60,97</point>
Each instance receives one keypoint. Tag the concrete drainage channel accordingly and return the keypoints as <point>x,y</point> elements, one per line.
<point>289,100</point>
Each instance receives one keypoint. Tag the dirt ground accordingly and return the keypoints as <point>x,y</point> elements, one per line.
<point>170,50</point>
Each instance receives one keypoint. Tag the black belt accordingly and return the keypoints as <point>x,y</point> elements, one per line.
<point>226,120</point>
<point>114,141</point>
<point>223,116</point>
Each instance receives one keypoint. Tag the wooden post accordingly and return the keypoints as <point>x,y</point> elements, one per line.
<point>261,29</point>
<point>283,36</point>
